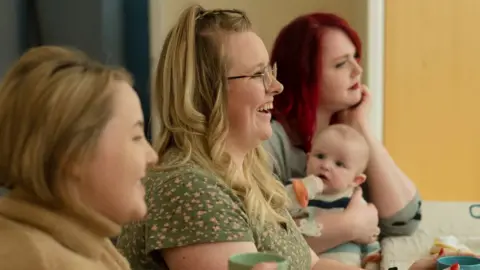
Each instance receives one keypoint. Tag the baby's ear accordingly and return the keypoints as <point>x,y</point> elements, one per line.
<point>359,179</point>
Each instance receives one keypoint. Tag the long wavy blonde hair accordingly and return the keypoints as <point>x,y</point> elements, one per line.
<point>191,101</point>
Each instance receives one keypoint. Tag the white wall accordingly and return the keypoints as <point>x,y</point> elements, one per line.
<point>269,16</point>
<point>375,66</point>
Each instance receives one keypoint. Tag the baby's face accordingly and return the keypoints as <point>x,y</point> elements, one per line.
<point>335,161</point>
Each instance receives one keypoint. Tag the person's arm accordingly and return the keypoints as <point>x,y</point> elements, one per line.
<point>391,191</point>
<point>210,256</point>
<point>336,230</point>
<point>389,188</point>
<point>324,263</point>
<point>205,256</point>
<point>405,221</point>
<point>357,223</point>
<point>196,223</point>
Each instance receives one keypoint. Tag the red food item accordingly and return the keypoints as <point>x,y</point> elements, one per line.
<point>455,267</point>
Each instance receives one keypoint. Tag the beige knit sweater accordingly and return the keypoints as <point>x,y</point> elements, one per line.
<point>34,237</point>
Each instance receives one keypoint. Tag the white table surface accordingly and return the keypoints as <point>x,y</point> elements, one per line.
<point>438,219</point>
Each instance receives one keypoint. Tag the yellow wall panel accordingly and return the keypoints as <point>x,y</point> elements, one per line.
<point>432,94</point>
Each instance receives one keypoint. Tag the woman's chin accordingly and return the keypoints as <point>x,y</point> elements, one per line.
<point>340,106</point>
<point>349,104</point>
<point>138,206</point>
<point>139,212</point>
<point>266,133</point>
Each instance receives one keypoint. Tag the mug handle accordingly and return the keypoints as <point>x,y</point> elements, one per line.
<point>473,206</point>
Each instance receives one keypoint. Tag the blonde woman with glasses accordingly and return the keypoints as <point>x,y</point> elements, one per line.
<point>73,152</point>
<point>213,194</point>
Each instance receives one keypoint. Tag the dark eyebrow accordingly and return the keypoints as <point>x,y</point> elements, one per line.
<point>343,57</point>
<point>139,123</point>
<point>260,65</point>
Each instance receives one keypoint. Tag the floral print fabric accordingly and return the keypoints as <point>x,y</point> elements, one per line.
<point>189,205</point>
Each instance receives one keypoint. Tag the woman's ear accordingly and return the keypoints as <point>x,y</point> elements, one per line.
<point>359,179</point>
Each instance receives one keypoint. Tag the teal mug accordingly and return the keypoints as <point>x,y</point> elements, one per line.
<point>475,213</point>
<point>465,262</point>
<point>247,261</point>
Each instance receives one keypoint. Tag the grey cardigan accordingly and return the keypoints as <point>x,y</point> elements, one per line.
<point>290,162</point>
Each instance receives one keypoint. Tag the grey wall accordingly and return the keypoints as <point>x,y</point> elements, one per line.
<point>94,26</point>
<point>11,33</point>
<point>115,32</point>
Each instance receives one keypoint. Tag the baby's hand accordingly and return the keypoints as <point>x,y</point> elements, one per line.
<point>314,185</point>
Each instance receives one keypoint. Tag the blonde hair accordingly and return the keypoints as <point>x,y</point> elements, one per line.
<point>191,99</point>
<point>54,103</point>
<point>351,135</point>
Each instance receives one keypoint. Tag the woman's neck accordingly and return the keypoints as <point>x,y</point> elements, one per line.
<point>84,216</point>
<point>236,153</point>
<point>324,119</point>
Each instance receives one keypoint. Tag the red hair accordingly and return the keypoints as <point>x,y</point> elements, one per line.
<point>297,52</point>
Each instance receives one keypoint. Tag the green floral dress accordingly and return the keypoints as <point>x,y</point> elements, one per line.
<point>188,205</point>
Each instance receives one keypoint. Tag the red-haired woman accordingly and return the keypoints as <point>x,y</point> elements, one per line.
<point>318,59</point>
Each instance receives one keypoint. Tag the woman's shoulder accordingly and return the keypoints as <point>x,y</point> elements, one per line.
<point>188,205</point>
<point>279,135</point>
<point>24,247</point>
<point>184,173</point>
<point>287,160</point>
<point>33,237</point>
<point>183,179</point>
<point>173,166</point>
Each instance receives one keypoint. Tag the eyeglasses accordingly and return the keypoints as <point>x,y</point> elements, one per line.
<point>269,74</point>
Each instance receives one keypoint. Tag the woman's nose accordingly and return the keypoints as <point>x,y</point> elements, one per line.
<point>357,69</point>
<point>275,87</point>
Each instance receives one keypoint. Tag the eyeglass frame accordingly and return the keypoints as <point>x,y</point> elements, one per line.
<point>268,71</point>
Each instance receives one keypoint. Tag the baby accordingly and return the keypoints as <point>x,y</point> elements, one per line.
<point>335,166</point>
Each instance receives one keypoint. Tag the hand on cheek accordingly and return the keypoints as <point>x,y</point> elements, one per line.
<point>357,115</point>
